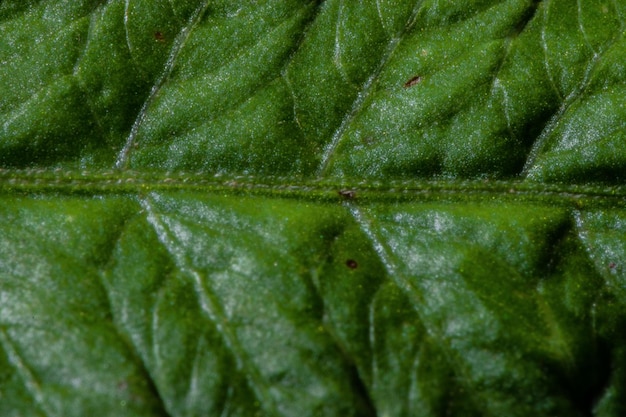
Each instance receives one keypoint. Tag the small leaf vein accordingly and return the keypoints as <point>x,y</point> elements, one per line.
<point>178,45</point>
<point>212,310</point>
<point>30,381</point>
<point>365,90</point>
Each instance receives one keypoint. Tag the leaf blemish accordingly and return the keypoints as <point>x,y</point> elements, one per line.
<point>347,194</point>
<point>352,264</point>
<point>413,81</point>
<point>159,37</point>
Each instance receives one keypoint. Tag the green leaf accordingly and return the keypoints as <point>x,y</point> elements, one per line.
<point>294,208</point>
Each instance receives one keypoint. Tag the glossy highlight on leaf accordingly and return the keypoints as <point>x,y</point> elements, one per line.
<point>312,208</point>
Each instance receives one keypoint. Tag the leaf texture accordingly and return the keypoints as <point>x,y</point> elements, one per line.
<point>312,208</point>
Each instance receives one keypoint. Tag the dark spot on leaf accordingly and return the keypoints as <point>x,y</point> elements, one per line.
<point>351,263</point>
<point>413,81</point>
<point>159,37</point>
<point>612,265</point>
<point>347,194</point>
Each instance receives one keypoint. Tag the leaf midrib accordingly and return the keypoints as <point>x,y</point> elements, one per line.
<point>46,181</point>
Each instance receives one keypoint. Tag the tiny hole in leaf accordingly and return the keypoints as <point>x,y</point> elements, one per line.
<point>352,264</point>
<point>413,81</point>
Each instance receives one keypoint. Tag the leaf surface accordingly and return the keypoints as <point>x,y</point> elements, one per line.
<point>312,208</point>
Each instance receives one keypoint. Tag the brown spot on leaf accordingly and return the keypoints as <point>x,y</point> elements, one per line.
<point>347,194</point>
<point>413,81</point>
<point>352,264</point>
<point>159,37</point>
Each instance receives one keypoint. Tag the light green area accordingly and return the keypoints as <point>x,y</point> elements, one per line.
<point>307,208</point>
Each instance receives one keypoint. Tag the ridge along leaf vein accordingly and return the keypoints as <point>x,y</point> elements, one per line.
<point>81,82</point>
<point>177,46</point>
<point>568,101</point>
<point>364,92</point>
<point>546,52</point>
<point>284,73</point>
<point>43,90</point>
<point>138,183</point>
<point>581,28</point>
<point>496,85</point>
<point>382,20</point>
<point>213,310</point>
<point>127,340</point>
<point>385,254</point>
<point>31,383</point>
<point>337,55</point>
<point>129,43</point>
<point>234,105</point>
